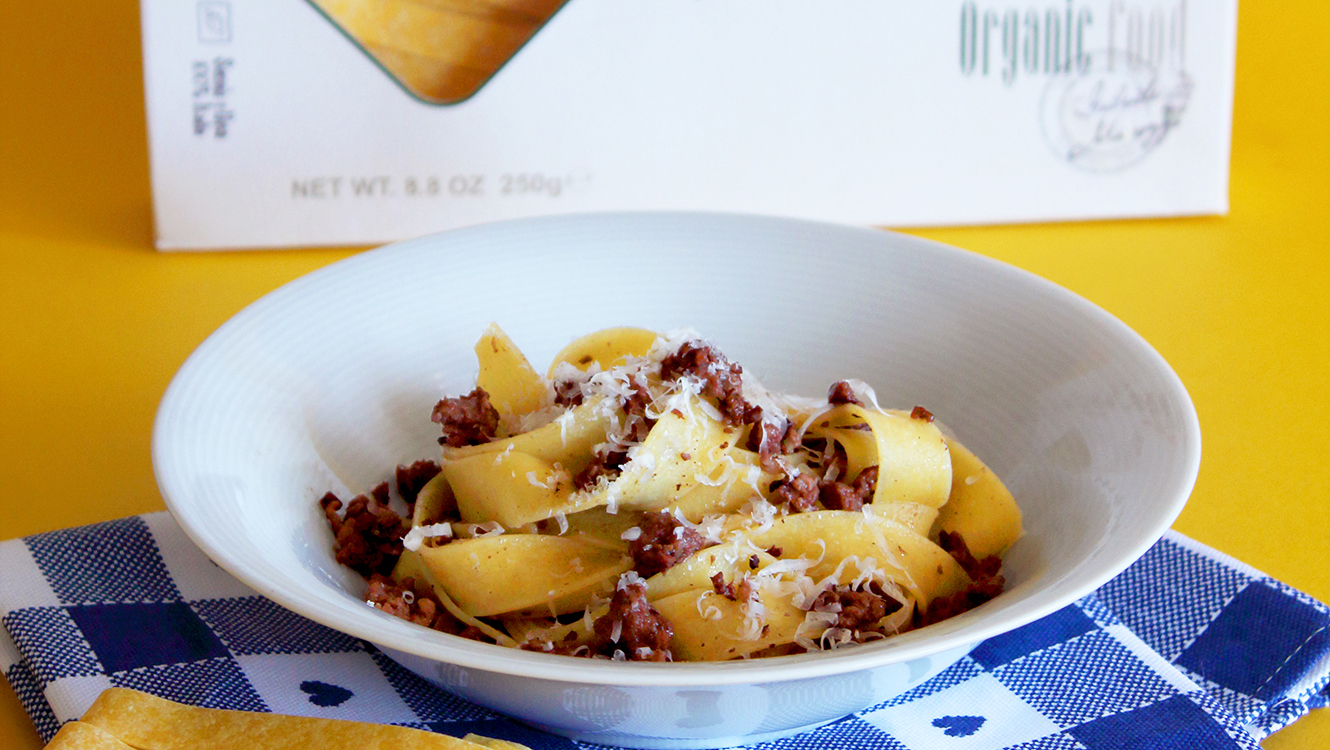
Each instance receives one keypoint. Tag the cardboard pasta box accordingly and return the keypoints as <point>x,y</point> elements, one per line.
<point>304,122</point>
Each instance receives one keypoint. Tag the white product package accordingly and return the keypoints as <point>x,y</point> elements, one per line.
<point>327,122</point>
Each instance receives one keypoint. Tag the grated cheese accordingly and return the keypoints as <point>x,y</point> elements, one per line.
<point>418,534</point>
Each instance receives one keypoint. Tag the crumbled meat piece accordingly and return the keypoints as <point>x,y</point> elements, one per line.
<point>603,464</point>
<point>986,582</point>
<point>920,412</point>
<point>775,551</point>
<point>569,646</point>
<point>721,587</point>
<point>866,483</point>
<point>740,592</point>
<point>789,442</point>
<point>841,393</point>
<point>753,562</point>
<point>954,545</point>
<point>466,420</point>
<point>664,542</point>
<point>770,440</point>
<point>368,537</point>
<point>799,493</point>
<point>735,409</point>
<point>634,627</point>
<point>635,407</point>
<point>410,602</point>
<point>966,599</point>
<point>720,378</point>
<point>858,609</point>
<point>411,479</point>
<point>758,435</point>
<point>568,393</point>
<point>839,496</point>
<point>836,456</point>
<point>745,591</point>
<point>639,399</point>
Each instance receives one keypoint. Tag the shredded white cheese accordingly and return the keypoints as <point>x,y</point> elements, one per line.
<point>486,529</point>
<point>418,534</point>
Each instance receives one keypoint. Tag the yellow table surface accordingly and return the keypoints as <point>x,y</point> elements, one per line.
<point>93,321</point>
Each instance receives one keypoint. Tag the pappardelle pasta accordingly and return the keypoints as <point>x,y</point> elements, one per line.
<point>648,500</point>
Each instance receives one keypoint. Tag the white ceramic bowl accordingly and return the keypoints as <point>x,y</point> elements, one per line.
<point>327,383</point>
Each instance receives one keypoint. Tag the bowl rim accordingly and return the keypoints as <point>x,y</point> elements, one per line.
<point>964,630</point>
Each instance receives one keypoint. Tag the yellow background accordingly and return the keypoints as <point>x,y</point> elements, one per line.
<point>93,322</point>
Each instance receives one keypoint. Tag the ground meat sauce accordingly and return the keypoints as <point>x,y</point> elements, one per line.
<point>569,646</point>
<point>920,412</point>
<point>411,479</point>
<point>866,483</point>
<point>720,378</point>
<point>466,420</point>
<point>859,610</point>
<point>633,627</point>
<point>770,440</point>
<point>841,393</point>
<point>663,543</point>
<point>986,582</point>
<point>368,536</point>
<point>837,495</point>
<point>800,492</point>
<point>636,403</point>
<point>568,393</point>
<point>722,588</point>
<point>743,591</point>
<point>603,464</point>
<point>954,545</point>
<point>410,602</point>
<point>803,493</point>
<point>835,456</point>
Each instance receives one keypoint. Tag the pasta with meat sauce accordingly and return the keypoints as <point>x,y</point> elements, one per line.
<point>648,500</point>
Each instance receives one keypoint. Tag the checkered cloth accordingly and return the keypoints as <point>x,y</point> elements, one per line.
<point>1187,649</point>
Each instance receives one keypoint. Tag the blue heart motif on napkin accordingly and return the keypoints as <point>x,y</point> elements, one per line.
<point>959,726</point>
<point>323,694</point>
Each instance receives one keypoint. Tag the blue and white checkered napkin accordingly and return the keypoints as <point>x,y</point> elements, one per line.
<point>1187,649</point>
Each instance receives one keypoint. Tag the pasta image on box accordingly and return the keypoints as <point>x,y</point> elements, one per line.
<point>441,51</point>
<point>316,122</point>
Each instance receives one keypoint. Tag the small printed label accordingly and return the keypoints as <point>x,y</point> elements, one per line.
<point>210,86</point>
<point>214,21</point>
<point>535,184</point>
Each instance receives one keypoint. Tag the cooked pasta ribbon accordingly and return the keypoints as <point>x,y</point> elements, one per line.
<point>605,349</point>
<point>514,387</point>
<point>523,572</point>
<point>981,508</point>
<point>911,454</point>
